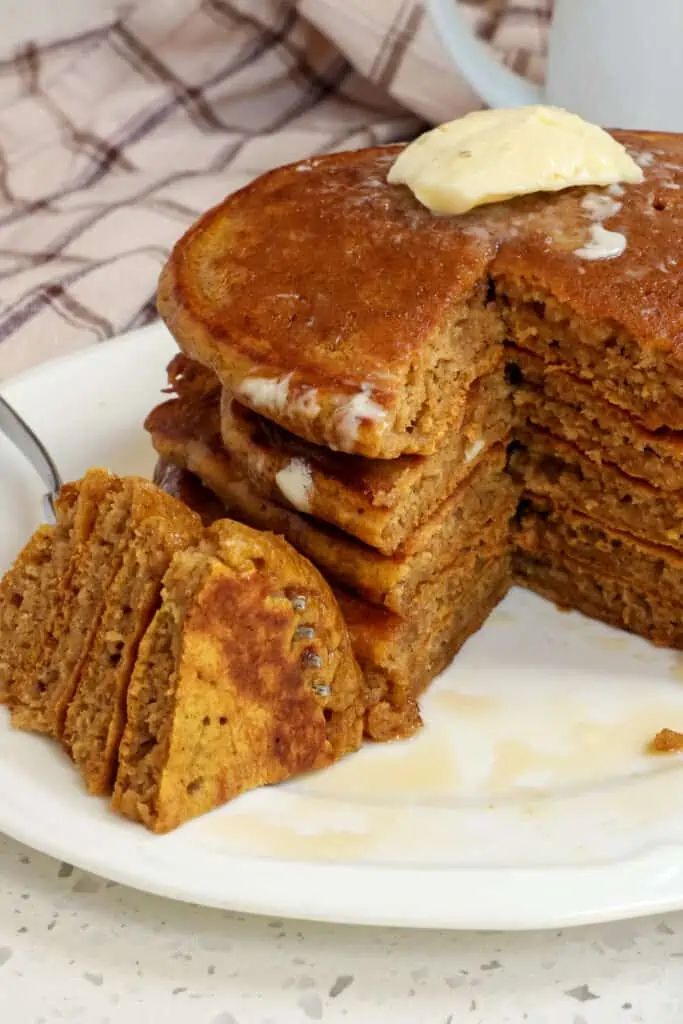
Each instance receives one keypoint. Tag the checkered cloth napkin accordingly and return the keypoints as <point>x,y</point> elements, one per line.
<point>113,141</point>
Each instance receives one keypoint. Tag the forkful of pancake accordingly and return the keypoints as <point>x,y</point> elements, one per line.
<point>408,378</point>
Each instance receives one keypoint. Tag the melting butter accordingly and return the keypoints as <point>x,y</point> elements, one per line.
<point>602,244</point>
<point>295,483</point>
<point>493,155</point>
<point>359,408</point>
<point>269,393</point>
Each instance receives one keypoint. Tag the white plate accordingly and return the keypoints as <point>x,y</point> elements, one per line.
<point>526,801</point>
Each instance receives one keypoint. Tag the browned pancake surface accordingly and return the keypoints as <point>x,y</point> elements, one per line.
<point>322,276</point>
<point>244,678</point>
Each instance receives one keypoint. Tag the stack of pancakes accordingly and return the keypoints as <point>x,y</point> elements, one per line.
<point>432,407</point>
<point>433,558</point>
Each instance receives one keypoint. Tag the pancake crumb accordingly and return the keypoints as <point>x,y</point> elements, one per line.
<point>667,741</point>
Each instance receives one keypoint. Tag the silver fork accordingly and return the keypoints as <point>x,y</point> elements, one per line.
<point>33,449</point>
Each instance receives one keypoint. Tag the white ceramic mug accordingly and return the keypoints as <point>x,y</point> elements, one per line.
<point>617,63</point>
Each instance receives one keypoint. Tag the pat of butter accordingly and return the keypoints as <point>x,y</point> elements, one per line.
<point>493,155</point>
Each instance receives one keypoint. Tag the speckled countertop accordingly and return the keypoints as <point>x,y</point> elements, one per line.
<point>77,948</point>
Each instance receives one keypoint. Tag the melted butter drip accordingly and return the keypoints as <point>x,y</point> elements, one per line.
<point>602,244</point>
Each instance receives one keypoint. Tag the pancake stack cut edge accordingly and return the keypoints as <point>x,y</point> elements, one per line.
<point>432,409</point>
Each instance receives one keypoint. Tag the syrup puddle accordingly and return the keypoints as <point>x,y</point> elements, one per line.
<point>453,702</point>
<point>484,748</point>
<point>591,753</point>
<point>289,841</point>
<point>425,766</point>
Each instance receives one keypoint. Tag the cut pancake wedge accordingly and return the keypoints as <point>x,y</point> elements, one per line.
<point>244,678</point>
<point>96,714</point>
<point>34,593</point>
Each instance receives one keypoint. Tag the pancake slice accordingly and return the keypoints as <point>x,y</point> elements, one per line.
<point>42,706</point>
<point>185,663</point>
<point>27,585</point>
<point>33,592</point>
<point>96,715</point>
<point>244,678</point>
<point>289,355</point>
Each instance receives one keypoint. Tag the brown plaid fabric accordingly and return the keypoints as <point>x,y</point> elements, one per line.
<point>111,142</point>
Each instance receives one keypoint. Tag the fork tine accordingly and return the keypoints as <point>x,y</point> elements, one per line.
<point>49,513</point>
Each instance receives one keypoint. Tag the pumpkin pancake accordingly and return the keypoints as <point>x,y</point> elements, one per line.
<point>340,308</point>
<point>245,677</point>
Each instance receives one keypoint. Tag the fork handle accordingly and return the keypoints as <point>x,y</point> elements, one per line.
<point>21,435</point>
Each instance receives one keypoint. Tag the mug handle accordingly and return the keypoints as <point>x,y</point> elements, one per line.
<point>497,86</point>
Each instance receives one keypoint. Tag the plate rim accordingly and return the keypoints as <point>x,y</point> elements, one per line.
<point>266,895</point>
